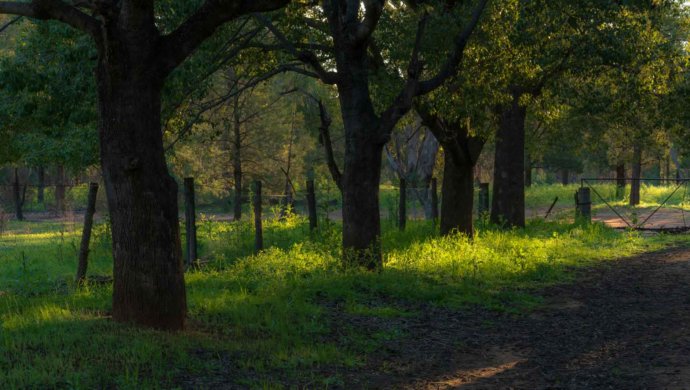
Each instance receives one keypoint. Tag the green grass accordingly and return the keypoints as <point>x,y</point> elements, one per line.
<point>268,320</point>
<point>650,195</point>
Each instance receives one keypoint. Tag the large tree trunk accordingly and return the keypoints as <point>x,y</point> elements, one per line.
<point>148,286</point>
<point>636,173</point>
<point>361,219</point>
<point>508,203</point>
<point>361,174</point>
<point>458,195</point>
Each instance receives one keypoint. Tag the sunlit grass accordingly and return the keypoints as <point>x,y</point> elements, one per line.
<point>263,320</point>
<point>651,195</point>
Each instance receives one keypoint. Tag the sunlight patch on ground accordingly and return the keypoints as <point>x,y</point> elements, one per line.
<point>502,361</point>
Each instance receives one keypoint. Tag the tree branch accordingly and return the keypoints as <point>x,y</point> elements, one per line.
<point>403,102</point>
<point>178,45</point>
<point>325,133</point>
<point>306,56</point>
<point>372,14</point>
<point>325,138</point>
<point>453,61</point>
<point>52,10</point>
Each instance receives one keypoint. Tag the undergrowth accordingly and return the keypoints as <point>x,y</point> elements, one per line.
<point>267,319</point>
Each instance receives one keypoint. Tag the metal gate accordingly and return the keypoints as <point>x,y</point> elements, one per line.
<point>678,184</point>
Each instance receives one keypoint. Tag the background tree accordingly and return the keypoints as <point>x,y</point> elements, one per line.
<point>135,57</point>
<point>345,39</point>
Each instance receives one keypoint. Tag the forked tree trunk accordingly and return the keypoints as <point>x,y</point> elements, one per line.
<point>636,173</point>
<point>461,152</point>
<point>458,195</point>
<point>148,278</point>
<point>508,203</point>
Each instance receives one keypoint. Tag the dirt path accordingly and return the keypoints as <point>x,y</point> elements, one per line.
<point>622,326</point>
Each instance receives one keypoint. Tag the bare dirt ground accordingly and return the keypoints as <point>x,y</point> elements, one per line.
<point>621,326</point>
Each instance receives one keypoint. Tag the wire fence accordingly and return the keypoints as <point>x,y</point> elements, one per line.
<point>67,202</point>
<point>643,204</point>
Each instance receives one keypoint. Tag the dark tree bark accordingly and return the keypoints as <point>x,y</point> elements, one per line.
<point>360,182</point>
<point>148,272</point>
<point>458,189</point>
<point>41,184</point>
<point>461,152</point>
<point>636,173</point>
<point>508,202</point>
<point>134,60</point>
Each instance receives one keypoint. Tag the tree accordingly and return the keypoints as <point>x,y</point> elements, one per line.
<point>549,40</point>
<point>134,59</point>
<point>412,155</point>
<point>342,58</point>
<point>47,68</point>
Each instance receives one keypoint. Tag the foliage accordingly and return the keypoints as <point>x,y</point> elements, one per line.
<point>48,98</point>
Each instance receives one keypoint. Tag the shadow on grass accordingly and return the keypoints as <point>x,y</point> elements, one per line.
<point>291,316</point>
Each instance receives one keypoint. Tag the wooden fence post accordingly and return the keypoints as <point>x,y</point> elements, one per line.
<point>483,206</point>
<point>86,233</point>
<point>402,207</point>
<point>18,201</point>
<point>311,205</point>
<point>434,201</point>
<point>258,235</point>
<point>583,203</point>
<point>190,220</point>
